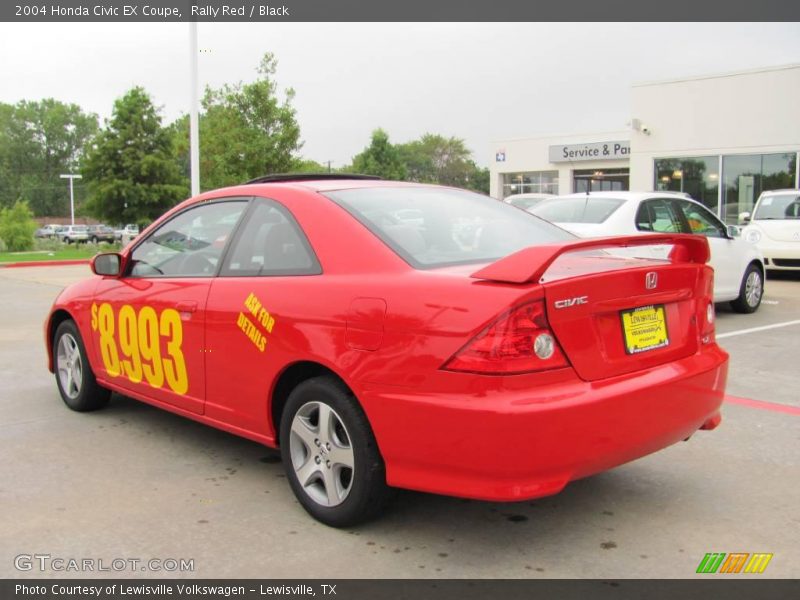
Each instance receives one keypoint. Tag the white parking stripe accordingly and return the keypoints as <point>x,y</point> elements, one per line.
<point>756,329</point>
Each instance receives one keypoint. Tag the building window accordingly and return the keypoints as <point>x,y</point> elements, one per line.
<point>746,176</point>
<point>531,182</point>
<point>697,176</point>
<point>601,180</point>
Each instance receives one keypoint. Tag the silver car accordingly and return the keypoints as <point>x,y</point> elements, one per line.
<point>73,233</point>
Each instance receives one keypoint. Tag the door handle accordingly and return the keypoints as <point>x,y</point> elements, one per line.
<point>186,307</point>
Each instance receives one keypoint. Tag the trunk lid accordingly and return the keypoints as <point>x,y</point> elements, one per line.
<point>614,315</point>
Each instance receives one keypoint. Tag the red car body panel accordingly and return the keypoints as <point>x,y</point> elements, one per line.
<point>387,330</point>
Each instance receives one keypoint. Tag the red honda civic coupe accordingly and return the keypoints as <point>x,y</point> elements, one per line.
<point>393,335</point>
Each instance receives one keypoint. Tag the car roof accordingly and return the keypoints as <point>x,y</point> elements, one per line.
<point>326,184</point>
<point>627,195</point>
<point>536,195</point>
<point>787,191</point>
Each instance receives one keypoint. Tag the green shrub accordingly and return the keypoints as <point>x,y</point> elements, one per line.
<point>17,227</point>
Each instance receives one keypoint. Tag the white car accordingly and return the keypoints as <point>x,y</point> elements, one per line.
<point>775,229</point>
<point>129,230</point>
<point>72,233</point>
<point>48,231</point>
<point>526,201</point>
<point>738,265</point>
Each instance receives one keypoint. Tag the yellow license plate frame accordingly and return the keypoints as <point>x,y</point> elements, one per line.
<point>644,328</point>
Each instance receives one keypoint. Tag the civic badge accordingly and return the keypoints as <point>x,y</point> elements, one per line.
<point>651,280</point>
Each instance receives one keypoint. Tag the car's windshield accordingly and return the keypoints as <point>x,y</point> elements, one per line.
<point>584,209</point>
<point>80,228</point>
<point>778,206</point>
<point>445,226</point>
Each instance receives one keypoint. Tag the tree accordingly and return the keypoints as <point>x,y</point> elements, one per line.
<point>436,159</point>
<point>447,161</point>
<point>478,179</point>
<point>38,142</point>
<point>310,166</point>
<point>131,170</point>
<point>380,158</point>
<point>246,130</point>
<point>17,227</point>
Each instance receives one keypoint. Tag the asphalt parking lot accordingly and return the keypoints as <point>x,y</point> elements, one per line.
<point>133,481</point>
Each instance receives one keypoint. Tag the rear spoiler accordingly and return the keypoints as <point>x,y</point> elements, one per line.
<point>529,264</point>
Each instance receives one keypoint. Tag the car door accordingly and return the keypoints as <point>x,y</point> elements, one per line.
<point>150,323</point>
<point>256,311</point>
<point>727,255</point>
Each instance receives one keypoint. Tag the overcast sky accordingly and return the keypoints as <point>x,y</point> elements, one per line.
<point>480,82</point>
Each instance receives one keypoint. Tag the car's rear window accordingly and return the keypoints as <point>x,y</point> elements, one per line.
<point>783,206</point>
<point>525,203</point>
<point>577,210</point>
<point>435,227</point>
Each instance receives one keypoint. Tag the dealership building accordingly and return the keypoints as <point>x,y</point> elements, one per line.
<point>722,138</point>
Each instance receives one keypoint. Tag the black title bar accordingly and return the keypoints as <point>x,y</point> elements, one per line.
<point>392,10</point>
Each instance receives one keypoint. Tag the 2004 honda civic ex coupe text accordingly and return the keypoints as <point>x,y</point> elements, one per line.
<point>474,350</point>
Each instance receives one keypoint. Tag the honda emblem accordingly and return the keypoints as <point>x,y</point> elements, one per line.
<point>651,280</point>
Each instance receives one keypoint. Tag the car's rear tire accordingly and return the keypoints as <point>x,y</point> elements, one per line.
<point>751,290</point>
<point>76,382</point>
<point>330,454</point>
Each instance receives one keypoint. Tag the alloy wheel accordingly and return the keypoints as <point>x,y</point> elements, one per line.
<point>69,365</point>
<point>753,288</point>
<point>322,454</point>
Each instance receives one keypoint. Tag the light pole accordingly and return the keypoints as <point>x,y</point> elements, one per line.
<point>71,177</point>
<point>194,118</point>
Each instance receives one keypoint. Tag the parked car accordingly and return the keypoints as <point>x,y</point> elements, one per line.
<point>72,233</point>
<point>129,230</point>
<point>738,265</point>
<point>100,233</point>
<point>526,201</point>
<point>48,231</point>
<point>775,228</point>
<point>500,370</point>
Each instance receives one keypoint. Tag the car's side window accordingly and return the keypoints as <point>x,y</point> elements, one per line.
<point>658,216</point>
<point>270,242</point>
<point>701,221</point>
<point>190,244</point>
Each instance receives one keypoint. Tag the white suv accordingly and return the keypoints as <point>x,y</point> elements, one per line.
<point>73,233</point>
<point>774,227</point>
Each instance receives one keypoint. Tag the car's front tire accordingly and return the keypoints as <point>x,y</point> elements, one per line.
<point>330,454</point>
<point>751,290</point>
<point>76,382</point>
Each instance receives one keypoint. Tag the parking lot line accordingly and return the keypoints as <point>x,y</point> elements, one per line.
<point>763,405</point>
<point>756,329</point>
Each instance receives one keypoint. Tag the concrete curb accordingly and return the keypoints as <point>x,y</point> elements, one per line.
<point>45,263</point>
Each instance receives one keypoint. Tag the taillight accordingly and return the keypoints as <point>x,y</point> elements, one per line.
<point>708,314</point>
<point>518,342</point>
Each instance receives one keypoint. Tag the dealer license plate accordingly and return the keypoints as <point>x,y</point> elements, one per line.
<point>645,328</point>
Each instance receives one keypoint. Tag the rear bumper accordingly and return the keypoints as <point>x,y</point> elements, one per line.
<point>516,442</point>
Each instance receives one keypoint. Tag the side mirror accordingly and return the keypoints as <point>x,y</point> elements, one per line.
<point>107,264</point>
<point>744,217</point>
<point>734,231</point>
